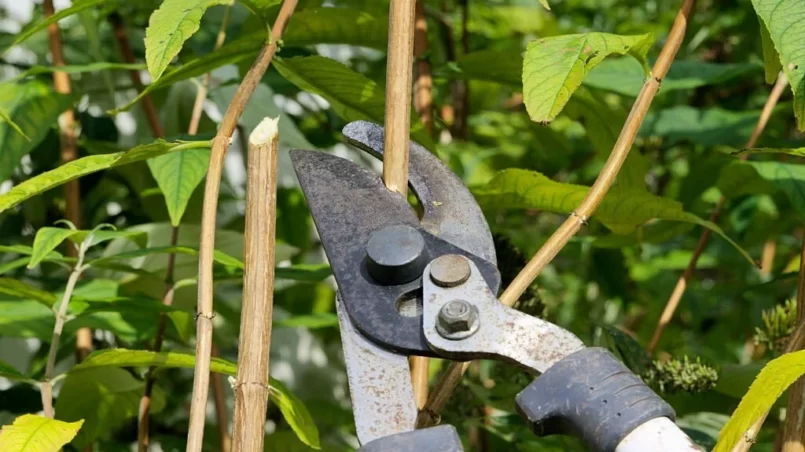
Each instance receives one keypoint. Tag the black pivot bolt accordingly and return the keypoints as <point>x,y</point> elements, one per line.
<point>396,255</point>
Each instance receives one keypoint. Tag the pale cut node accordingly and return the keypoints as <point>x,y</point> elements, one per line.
<point>265,131</point>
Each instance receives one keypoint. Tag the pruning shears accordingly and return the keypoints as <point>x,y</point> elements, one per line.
<point>411,286</point>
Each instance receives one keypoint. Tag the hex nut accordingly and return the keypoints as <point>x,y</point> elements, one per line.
<point>457,319</point>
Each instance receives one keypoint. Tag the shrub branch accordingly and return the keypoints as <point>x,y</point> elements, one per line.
<point>557,241</point>
<point>220,145</point>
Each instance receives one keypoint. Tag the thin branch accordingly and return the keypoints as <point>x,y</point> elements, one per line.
<point>794,429</point>
<point>220,145</point>
<point>201,96</point>
<point>398,95</point>
<point>461,88</point>
<point>681,284</point>
<point>61,316</point>
<point>69,152</point>
<point>448,382</point>
<point>423,85</point>
<point>251,388</point>
<point>122,39</point>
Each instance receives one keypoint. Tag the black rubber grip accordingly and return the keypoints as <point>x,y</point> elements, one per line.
<point>443,438</point>
<point>593,396</point>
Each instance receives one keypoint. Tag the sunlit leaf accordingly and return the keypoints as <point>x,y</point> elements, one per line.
<point>30,109</point>
<point>104,398</point>
<point>783,20</point>
<point>169,27</point>
<point>291,407</point>
<point>48,238</point>
<point>622,210</point>
<point>555,67</point>
<point>178,174</point>
<point>89,165</point>
<point>33,433</point>
<point>769,385</point>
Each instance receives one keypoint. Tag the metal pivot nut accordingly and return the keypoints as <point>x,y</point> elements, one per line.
<point>458,319</point>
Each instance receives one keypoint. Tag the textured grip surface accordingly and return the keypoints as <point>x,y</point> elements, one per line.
<point>443,438</point>
<point>591,395</point>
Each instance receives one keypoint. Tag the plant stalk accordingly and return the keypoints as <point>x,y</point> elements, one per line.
<point>61,316</point>
<point>69,152</point>
<point>220,144</point>
<point>681,284</point>
<point>251,388</point>
<point>557,241</point>
<point>423,85</point>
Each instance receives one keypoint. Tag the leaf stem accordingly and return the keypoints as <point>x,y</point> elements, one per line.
<point>220,145</point>
<point>61,316</point>
<point>557,241</point>
<point>681,284</point>
<point>69,152</point>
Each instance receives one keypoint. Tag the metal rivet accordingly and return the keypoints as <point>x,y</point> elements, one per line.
<point>458,319</point>
<point>450,270</point>
<point>396,254</point>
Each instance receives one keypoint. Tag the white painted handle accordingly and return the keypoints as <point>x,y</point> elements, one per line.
<point>658,435</point>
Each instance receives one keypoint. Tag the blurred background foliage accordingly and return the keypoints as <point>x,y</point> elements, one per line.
<point>607,288</point>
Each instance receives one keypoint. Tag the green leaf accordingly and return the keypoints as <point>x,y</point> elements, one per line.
<point>603,124</point>
<point>27,319</point>
<point>13,265</point>
<point>312,321</point>
<point>771,59</point>
<point>783,20</point>
<point>25,291</point>
<point>508,67</point>
<point>10,372</point>
<point>626,76</point>
<point>31,108</point>
<point>622,210</point>
<point>245,48</point>
<point>291,407</point>
<point>304,272</point>
<point>798,152</point>
<point>555,67</point>
<point>89,165</point>
<point>351,95</point>
<point>169,27</point>
<point>178,175</point>
<point>48,238</point>
<point>33,433</point>
<point>105,398</point>
<point>218,256</point>
<point>77,7</point>
<point>786,177</point>
<point>707,127</point>
<point>337,26</point>
<point>769,385</point>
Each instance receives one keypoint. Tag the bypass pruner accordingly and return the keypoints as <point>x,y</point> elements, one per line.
<point>427,287</point>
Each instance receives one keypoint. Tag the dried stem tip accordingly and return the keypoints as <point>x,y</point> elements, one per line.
<point>265,132</point>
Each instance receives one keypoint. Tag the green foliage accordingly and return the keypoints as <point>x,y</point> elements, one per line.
<point>89,165</point>
<point>769,385</point>
<point>169,27</point>
<point>495,66</point>
<point>32,433</point>
<point>292,408</point>
<point>555,67</point>
<point>104,398</point>
<point>782,20</point>
<point>779,323</point>
<point>683,375</point>
<point>27,106</point>
<point>177,175</point>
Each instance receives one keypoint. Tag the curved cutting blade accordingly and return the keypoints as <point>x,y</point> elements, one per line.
<point>349,203</point>
<point>451,212</point>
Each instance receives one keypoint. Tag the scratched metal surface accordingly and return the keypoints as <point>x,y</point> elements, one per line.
<point>504,333</point>
<point>379,384</point>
